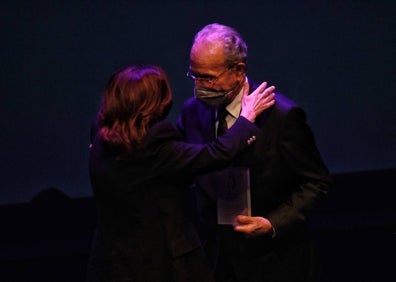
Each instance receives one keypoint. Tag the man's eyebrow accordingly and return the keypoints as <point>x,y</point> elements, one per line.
<point>196,74</point>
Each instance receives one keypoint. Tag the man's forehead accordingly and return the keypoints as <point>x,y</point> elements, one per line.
<point>207,57</point>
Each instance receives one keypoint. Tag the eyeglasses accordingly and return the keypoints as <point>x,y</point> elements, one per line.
<point>206,78</point>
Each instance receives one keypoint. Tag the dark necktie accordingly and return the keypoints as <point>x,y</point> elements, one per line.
<point>222,124</point>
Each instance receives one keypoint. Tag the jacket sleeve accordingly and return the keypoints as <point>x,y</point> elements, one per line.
<point>171,154</point>
<point>298,149</point>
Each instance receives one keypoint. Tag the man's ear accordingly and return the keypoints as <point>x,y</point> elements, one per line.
<point>240,68</point>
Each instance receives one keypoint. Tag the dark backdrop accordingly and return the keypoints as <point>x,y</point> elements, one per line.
<point>335,58</point>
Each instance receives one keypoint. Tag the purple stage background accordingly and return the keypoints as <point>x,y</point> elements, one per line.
<point>335,58</point>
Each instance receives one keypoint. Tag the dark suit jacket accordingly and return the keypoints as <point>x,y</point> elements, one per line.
<point>142,223</point>
<point>287,178</point>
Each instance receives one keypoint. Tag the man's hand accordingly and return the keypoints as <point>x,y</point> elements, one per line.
<point>253,226</point>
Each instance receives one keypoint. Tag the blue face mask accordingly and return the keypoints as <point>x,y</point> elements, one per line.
<point>216,98</point>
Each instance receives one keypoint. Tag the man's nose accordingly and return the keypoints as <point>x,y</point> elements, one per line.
<point>202,82</point>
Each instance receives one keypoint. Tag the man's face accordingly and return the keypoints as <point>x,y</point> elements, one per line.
<point>208,68</point>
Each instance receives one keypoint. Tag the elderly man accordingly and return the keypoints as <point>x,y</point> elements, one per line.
<point>282,172</point>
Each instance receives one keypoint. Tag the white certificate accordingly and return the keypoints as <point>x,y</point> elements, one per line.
<point>233,194</point>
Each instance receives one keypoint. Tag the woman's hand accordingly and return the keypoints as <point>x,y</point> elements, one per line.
<point>258,101</point>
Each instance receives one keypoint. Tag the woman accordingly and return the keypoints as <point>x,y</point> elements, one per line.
<point>139,168</point>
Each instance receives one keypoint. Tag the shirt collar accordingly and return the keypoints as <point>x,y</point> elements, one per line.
<point>234,108</point>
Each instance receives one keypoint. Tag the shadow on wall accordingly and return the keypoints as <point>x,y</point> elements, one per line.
<point>356,227</point>
<point>48,239</point>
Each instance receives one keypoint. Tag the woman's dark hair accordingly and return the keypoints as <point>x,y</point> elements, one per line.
<point>134,98</point>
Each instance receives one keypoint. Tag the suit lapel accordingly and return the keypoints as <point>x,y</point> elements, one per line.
<point>208,124</point>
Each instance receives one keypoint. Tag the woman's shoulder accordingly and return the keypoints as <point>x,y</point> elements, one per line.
<point>162,131</point>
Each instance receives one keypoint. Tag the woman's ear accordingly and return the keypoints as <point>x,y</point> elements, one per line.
<point>166,111</point>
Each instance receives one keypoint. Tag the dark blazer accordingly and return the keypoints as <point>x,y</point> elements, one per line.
<point>142,224</point>
<point>287,177</point>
